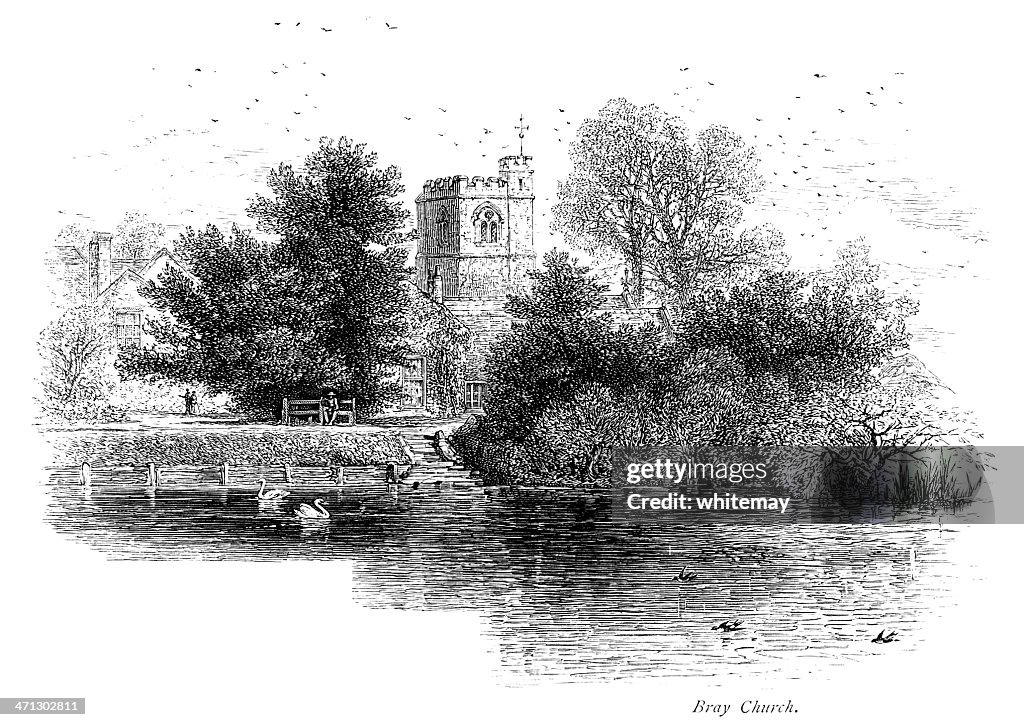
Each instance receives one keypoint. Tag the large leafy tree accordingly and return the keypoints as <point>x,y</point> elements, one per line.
<point>668,204</point>
<point>562,342</point>
<point>321,305</point>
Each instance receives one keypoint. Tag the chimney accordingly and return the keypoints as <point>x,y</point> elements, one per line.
<point>100,249</point>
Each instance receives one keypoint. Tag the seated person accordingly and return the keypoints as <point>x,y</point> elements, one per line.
<point>329,405</point>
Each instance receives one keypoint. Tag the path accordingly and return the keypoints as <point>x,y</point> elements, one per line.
<point>428,469</point>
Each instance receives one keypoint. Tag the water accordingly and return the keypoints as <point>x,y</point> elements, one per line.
<point>568,591</point>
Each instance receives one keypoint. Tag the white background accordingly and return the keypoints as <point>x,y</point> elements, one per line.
<point>99,119</point>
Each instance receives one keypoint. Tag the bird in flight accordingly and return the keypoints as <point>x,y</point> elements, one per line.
<point>820,75</point>
<point>407,118</point>
<point>882,638</point>
<point>685,69</point>
<point>215,120</point>
<point>488,131</point>
<point>443,110</point>
<point>276,23</point>
<point>390,26</point>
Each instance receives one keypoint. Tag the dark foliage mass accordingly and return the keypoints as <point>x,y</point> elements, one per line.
<point>782,360</point>
<point>322,306</point>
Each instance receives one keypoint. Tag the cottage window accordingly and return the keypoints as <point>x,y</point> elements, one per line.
<point>128,329</point>
<point>475,393</point>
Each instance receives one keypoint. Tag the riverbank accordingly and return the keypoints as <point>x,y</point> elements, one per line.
<point>251,444</point>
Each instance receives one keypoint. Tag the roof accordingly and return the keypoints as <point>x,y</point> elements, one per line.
<point>141,267</point>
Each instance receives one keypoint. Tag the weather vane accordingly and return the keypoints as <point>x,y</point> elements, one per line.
<point>522,130</point>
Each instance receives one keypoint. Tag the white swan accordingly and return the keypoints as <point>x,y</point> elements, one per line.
<point>304,511</point>
<point>271,495</point>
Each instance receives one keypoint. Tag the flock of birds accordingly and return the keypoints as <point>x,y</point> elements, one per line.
<point>797,142</point>
<point>729,626</point>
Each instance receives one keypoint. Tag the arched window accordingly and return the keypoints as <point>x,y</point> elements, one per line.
<point>487,223</point>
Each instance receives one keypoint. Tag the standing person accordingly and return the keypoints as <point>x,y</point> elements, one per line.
<point>329,404</point>
<point>189,402</point>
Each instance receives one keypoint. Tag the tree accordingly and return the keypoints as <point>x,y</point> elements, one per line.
<point>323,305</point>
<point>561,342</point>
<point>78,373</point>
<point>668,205</point>
<point>137,236</point>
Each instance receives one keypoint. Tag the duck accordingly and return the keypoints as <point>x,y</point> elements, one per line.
<point>685,576</point>
<point>727,626</point>
<point>265,494</point>
<point>882,638</point>
<point>314,512</point>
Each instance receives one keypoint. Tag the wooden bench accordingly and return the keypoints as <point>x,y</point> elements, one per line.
<point>312,410</point>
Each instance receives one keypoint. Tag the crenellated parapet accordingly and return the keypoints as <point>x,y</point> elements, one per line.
<point>476,233</point>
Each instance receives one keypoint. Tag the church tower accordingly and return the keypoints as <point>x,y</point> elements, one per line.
<point>476,235</point>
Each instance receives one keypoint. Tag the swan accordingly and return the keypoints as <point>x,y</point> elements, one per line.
<point>270,494</point>
<point>304,511</point>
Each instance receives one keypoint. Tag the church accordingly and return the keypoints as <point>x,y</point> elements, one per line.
<point>475,248</point>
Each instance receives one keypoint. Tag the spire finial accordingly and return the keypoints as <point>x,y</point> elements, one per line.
<point>522,130</point>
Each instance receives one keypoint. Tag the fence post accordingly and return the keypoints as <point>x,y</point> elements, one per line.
<point>152,477</point>
<point>284,412</point>
<point>341,476</point>
<point>288,472</point>
<point>86,476</point>
<point>225,474</point>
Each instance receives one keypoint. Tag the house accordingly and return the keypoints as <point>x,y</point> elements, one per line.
<point>96,276</point>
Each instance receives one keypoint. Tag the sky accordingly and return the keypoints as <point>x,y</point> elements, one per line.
<point>895,125</point>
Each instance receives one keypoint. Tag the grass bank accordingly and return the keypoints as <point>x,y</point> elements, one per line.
<point>301,447</point>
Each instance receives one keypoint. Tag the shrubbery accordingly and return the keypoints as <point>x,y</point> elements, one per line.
<point>782,360</point>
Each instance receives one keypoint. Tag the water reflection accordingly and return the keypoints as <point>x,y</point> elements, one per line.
<point>569,592</point>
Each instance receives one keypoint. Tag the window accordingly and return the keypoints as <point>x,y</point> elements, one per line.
<point>487,223</point>
<point>475,393</point>
<point>414,383</point>
<point>128,329</point>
